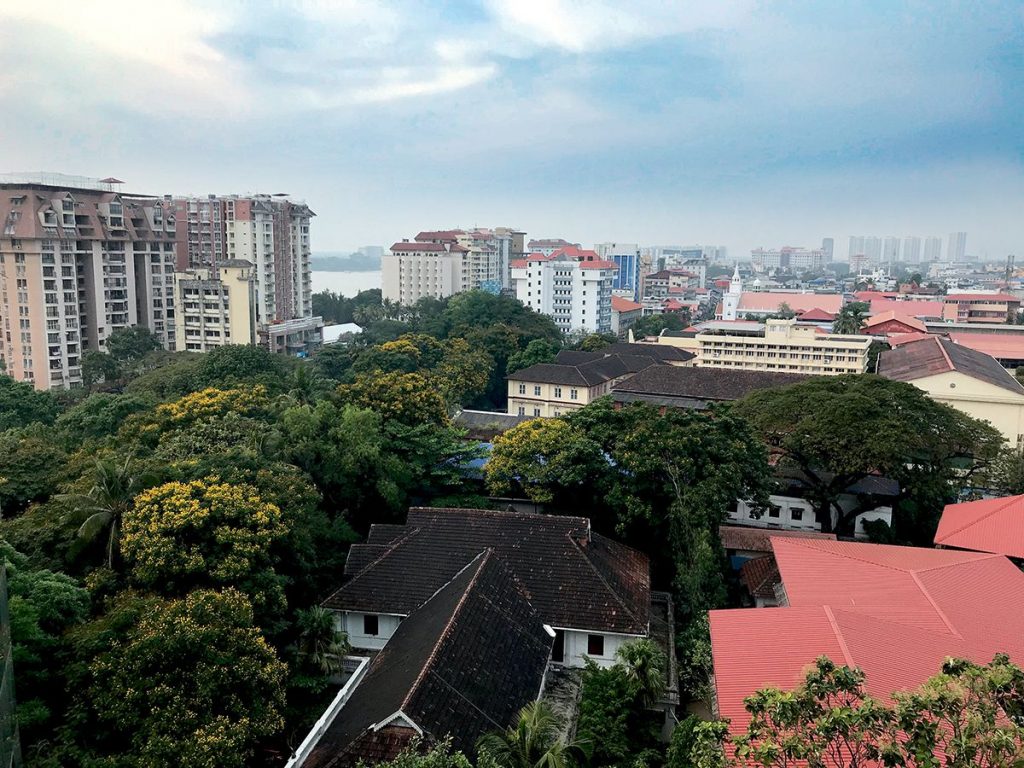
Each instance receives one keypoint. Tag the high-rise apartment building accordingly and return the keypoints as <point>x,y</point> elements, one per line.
<point>912,250</point>
<point>73,255</point>
<point>828,248</point>
<point>548,245</point>
<point>932,249</point>
<point>215,308</point>
<point>444,262</point>
<point>956,249</point>
<point>271,232</point>
<point>572,286</point>
<point>797,259</point>
<point>627,258</point>
<point>890,251</point>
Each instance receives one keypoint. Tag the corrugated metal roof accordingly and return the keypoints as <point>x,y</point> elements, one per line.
<point>989,525</point>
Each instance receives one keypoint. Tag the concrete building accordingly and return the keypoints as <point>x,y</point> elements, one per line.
<point>72,253</point>
<point>270,232</point>
<point>215,309</point>
<point>547,246</point>
<point>796,259</point>
<point>778,345</point>
<point>932,249</point>
<point>890,251</point>
<point>624,314</point>
<point>912,250</point>
<point>956,248</point>
<point>627,258</point>
<point>571,285</point>
<point>968,380</point>
<point>828,248</point>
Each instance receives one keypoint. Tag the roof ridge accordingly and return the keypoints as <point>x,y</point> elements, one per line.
<point>501,513</point>
<point>975,557</point>
<point>847,656</point>
<point>935,605</point>
<point>483,557</point>
<point>1008,501</point>
<point>603,580</point>
<point>389,549</point>
<point>945,354</point>
<point>809,542</point>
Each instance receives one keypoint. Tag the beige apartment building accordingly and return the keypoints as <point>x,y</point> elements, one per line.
<point>214,311</point>
<point>777,345</point>
<point>78,261</point>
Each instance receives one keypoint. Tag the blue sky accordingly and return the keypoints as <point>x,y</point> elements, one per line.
<point>743,123</point>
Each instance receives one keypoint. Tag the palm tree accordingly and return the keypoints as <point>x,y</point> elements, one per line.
<point>644,665</point>
<point>114,488</point>
<point>850,318</point>
<point>535,740</point>
<point>321,644</point>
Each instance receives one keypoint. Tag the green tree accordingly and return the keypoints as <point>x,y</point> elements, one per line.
<point>410,398</point>
<point>21,404</point>
<point>213,687</point>
<point>321,646</point>
<point>643,663</point>
<point>1005,475</point>
<point>543,457</point>
<point>850,318</point>
<point>130,345</point>
<point>98,367</point>
<point>205,533</point>
<point>100,415</point>
<point>115,483</point>
<point>653,325</point>
<point>462,373</point>
<point>838,430</point>
<point>31,466</point>
<point>537,351</point>
<point>436,755</point>
<point>535,740</point>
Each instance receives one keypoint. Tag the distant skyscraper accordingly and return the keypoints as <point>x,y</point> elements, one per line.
<point>912,250</point>
<point>932,249</point>
<point>957,247</point>
<point>856,246</point>
<point>828,248</point>
<point>873,249</point>
<point>890,251</point>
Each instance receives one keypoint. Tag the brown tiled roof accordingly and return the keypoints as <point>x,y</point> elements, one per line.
<point>750,539</point>
<point>715,384</point>
<point>583,369</point>
<point>574,578</point>
<point>760,575</point>
<point>463,664</point>
<point>935,355</point>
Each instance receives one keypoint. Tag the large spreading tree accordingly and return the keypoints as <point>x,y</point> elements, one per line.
<point>838,430</point>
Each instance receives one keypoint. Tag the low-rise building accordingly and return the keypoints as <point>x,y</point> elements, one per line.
<point>625,312</point>
<point>968,380</point>
<point>985,525</point>
<point>215,309</point>
<point>983,307</point>
<point>299,337</point>
<point>780,345</point>
<point>669,386</point>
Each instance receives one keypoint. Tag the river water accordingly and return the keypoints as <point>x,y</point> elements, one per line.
<point>346,283</point>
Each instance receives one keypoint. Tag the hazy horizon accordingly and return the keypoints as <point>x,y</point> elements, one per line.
<point>741,124</point>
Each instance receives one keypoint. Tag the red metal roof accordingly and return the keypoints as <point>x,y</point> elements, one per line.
<point>983,297</point>
<point>988,525</point>
<point>893,316</point>
<point>817,314</point>
<point>620,304</point>
<point>866,605</point>
<point>770,301</point>
<point>1004,346</point>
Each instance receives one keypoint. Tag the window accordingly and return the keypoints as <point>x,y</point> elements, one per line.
<point>522,410</point>
<point>796,513</point>
<point>536,411</point>
<point>773,510</point>
<point>573,394</point>
<point>558,391</point>
<point>595,645</point>
<point>371,625</point>
<point>522,389</point>
<point>536,391</point>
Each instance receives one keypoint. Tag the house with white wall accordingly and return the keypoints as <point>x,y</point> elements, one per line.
<point>593,592</point>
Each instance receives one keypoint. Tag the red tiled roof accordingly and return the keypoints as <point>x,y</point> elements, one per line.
<point>448,235</point>
<point>770,301</point>
<point>865,605</point>
<point>988,525</point>
<point>1004,346</point>
<point>760,575</point>
<point>817,314</point>
<point>574,251</point>
<point>598,264</point>
<point>934,355</point>
<point>750,539</point>
<point>420,247</point>
<point>984,297</point>
<point>892,316</point>
<point>913,308</point>
<point>895,339</point>
<point>620,304</point>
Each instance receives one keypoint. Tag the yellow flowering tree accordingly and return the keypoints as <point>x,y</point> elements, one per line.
<point>205,532</point>
<point>211,402</point>
<point>410,398</point>
<point>193,682</point>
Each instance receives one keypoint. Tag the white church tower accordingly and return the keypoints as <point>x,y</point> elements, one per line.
<point>731,300</point>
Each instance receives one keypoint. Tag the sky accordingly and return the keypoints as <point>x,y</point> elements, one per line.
<point>739,123</point>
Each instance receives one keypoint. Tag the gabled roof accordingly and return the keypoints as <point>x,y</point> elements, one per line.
<point>620,304</point>
<point>910,307</point>
<point>462,664</point>
<point>929,357</point>
<point>817,315</point>
<point>865,605</point>
<point>769,301</point>
<point>582,369</point>
<point>893,316</point>
<point>574,578</point>
<point>713,384</point>
<point>760,575</point>
<point>1005,346</point>
<point>751,539</point>
<point>988,525</point>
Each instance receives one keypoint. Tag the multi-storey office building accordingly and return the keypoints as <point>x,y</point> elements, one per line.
<point>627,258</point>
<point>780,345</point>
<point>571,285</point>
<point>73,256</point>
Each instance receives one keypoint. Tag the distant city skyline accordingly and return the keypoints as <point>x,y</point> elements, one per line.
<point>647,123</point>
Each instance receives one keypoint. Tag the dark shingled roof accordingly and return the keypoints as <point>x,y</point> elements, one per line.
<point>935,355</point>
<point>487,424</point>
<point>463,664</point>
<point>663,353</point>
<point>574,578</point>
<point>591,373</point>
<point>750,539</point>
<point>700,384</point>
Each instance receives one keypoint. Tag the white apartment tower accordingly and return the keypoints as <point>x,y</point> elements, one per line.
<point>956,250</point>
<point>932,249</point>
<point>912,250</point>
<point>571,285</point>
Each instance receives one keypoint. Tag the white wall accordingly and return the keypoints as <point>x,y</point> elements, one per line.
<point>351,623</point>
<point>791,507</point>
<point>575,648</point>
